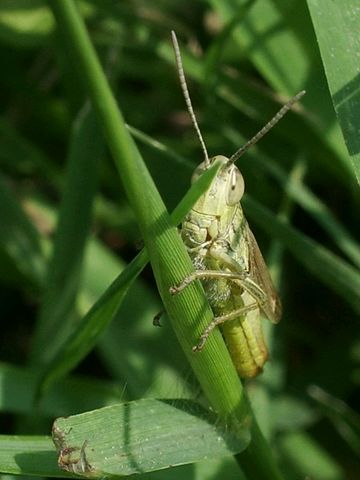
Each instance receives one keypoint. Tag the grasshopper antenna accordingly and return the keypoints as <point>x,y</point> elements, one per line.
<point>266,128</point>
<point>185,91</point>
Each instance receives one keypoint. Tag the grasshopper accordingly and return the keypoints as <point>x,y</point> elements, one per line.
<point>225,254</point>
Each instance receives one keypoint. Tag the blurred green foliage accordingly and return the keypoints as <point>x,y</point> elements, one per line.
<point>67,230</point>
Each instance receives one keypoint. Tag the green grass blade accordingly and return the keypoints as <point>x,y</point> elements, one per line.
<point>57,309</point>
<point>24,24</point>
<point>272,380</point>
<point>339,45</point>
<point>73,394</point>
<point>28,455</point>
<point>193,194</point>
<point>243,59</point>
<point>304,197</point>
<point>20,156</point>
<point>325,265</point>
<point>345,420</point>
<point>86,332</point>
<point>313,205</point>
<point>316,462</point>
<point>143,436</point>
<point>279,40</point>
<point>20,244</point>
<point>189,311</point>
<point>295,189</point>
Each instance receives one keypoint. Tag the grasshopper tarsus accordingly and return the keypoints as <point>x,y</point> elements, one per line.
<point>206,333</point>
<point>201,344</point>
<point>187,280</point>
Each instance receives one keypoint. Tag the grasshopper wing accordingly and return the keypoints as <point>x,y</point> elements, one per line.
<point>259,273</point>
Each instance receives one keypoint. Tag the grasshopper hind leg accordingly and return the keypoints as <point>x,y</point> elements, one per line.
<point>243,335</point>
<point>220,320</point>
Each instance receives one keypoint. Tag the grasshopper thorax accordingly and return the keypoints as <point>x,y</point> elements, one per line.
<point>225,191</point>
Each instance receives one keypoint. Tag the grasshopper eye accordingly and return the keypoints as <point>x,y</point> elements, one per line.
<point>236,187</point>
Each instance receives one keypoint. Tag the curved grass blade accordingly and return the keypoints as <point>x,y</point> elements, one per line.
<point>317,462</point>
<point>20,243</point>
<point>189,312</point>
<point>340,41</point>
<point>28,455</point>
<point>63,276</point>
<point>142,436</point>
<point>72,394</point>
<point>325,265</point>
<point>315,207</point>
<point>345,420</point>
<point>80,341</point>
<point>299,64</point>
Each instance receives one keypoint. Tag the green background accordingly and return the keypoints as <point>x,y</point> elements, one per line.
<point>67,229</point>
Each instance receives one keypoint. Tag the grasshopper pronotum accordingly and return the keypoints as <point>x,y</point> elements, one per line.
<point>225,254</point>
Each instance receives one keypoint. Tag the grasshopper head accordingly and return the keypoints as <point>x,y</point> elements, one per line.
<point>226,189</point>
